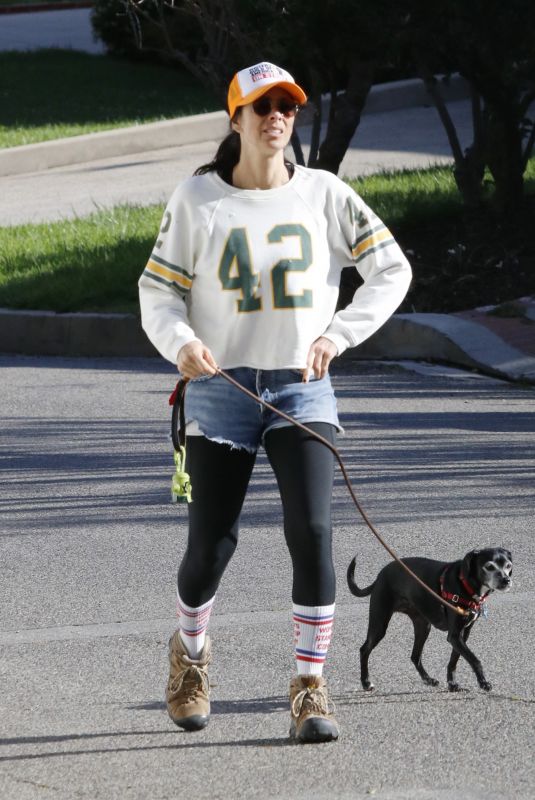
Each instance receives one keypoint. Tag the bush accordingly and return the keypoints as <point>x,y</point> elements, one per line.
<point>112,25</point>
<point>126,34</point>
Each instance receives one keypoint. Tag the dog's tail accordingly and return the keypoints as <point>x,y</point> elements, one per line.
<point>353,588</point>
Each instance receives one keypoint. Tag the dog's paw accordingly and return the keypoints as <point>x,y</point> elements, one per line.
<point>368,686</point>
<point>453,687</point>
<point>485,685</point>
<point>431,681</point>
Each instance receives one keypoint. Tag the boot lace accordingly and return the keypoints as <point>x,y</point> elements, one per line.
<point>190,682</point>
<point>310,700</point>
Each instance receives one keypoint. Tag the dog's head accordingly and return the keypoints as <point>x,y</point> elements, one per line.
<point>491,567</point>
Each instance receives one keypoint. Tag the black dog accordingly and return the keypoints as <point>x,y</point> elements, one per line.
<point>464,584</point>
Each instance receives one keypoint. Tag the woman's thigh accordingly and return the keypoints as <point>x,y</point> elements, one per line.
<point>219,477</point>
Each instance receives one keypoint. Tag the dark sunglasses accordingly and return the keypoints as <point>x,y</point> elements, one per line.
<point>264,106</point>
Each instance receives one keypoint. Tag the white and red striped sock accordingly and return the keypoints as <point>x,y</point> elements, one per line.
<point>312,635</point>
<point>192,624</point>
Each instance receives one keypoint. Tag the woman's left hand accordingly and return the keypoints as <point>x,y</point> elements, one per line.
<point>320,355</point>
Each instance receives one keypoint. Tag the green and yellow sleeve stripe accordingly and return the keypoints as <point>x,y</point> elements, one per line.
<point>370,242</point>
<point>168,274</point>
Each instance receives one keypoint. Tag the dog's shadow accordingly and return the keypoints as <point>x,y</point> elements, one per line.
<point>430,695</point>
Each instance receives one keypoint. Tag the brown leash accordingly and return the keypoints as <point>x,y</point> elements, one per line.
<point>361,511</point>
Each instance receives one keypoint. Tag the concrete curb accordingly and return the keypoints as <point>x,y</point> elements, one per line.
<point>76,334</point>
<point>445,338</point>
<point>121,141</point>
<point>430,337</point>
<point>188,130</point>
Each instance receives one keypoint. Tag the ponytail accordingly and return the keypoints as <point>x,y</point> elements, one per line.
<point>225,159</point>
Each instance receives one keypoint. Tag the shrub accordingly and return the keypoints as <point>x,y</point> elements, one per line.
<point>127,34</point>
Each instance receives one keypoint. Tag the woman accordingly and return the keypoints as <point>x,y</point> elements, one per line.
<point>244,276</point>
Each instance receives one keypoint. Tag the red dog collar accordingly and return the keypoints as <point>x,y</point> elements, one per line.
<point>472,603</point>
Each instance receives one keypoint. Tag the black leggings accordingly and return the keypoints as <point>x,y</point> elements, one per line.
<point>220,475</point>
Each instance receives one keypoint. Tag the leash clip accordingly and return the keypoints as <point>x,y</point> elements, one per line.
<point>180,484</point>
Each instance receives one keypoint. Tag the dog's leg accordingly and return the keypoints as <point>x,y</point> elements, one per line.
<point>457,638</point>
<point>365,651</point>
<point>421,632</point>
<point>453,686</point>
<point>380,614</point>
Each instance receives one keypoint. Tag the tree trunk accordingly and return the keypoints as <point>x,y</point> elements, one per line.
<point>344,122</point>
<point>469,171</point>
<point>505,159</point>
<point>316,129</point>
<point>295,141</point>
<point>469,167</point>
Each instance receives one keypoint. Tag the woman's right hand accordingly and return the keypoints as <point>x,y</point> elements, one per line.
<point>194,360</point>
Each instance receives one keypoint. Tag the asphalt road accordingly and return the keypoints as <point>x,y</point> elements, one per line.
<point>442,461</point>
<point>69,28</point>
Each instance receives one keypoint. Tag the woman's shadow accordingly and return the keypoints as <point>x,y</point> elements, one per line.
<point>255,705</point>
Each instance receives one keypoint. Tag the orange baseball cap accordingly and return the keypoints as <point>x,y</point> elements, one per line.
<point>249,84</point>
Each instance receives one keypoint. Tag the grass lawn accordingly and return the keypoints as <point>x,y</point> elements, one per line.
<point>87,264</point>
<point>93,263</point>
<point>399,196</point>
<point>67,93</point>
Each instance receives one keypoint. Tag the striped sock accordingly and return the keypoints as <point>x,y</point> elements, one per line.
<point>312,635</point>
<point>192,623</point>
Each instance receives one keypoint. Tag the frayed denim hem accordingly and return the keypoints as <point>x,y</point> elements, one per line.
<point>195,430</point>
<point>233,445</point>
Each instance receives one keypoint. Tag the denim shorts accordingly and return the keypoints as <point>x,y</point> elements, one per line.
<point>218,410</point>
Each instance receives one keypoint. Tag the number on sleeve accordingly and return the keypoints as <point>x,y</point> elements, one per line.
<point>166,224</point>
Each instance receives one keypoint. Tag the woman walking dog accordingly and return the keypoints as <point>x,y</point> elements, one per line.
<point>244,276</point>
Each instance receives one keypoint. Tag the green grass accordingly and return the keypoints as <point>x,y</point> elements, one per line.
<point>49,94</point>
<point>410,194</point>
<point>93,263</point>
<point>87,264</point>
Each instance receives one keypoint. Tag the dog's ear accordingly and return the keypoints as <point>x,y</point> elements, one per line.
<point>468,561</point>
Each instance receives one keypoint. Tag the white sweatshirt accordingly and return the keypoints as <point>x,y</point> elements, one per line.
<point>254,274</point>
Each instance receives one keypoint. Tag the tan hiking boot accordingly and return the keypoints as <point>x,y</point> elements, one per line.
<point>309,708</point>
<point>188,688</point>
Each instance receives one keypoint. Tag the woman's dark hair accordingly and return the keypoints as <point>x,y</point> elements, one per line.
<point>225,159</point>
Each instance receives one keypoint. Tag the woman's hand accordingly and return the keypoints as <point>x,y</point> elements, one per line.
<point>194,360</point>
<point>320,355</point>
